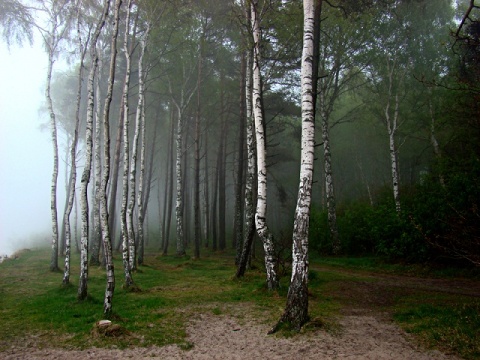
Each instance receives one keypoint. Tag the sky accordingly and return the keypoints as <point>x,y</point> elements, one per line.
<point>25,151</point>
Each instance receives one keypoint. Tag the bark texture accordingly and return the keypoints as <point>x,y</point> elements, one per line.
<point>296,309</point>
<point>73,153</point>
<point>107,241</point>
<point>127,266</point>
<point>261,212</point>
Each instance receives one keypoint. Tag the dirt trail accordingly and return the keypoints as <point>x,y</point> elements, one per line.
<point>365,330</point>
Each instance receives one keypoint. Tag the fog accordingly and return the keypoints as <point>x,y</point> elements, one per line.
<point>25,150</point>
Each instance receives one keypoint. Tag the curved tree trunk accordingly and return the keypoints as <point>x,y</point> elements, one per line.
<point>139,132</point>
<point>107,241</point>
<point>73,153</point>
<point>261,213</point>
<point>53,129</point>
<point>126,157</point>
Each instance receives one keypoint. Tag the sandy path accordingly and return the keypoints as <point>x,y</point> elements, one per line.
<point>228,337</point>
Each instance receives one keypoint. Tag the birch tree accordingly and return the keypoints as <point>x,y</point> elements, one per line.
<point>296,309</point>
<point>261,212</point>
<point>126,229</point>
<point>82,287</point>
<point>139,132</point>
<point>58,25</point>
<point>249,220</point>
<point>107,243</point>
<point>73,150</point>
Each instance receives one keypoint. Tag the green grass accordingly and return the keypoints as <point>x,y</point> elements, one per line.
<point>379,264</point>
<point>451,323</point>
<point>173,289</point>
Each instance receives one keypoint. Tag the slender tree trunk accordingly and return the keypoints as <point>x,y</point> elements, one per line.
<point>196,201</point>
<point>97,230</point>
<point>180,191</point>
<point>141,129</point>
<point>249,226</point>
<point>206,196</point>
<point>73,153</point>
<point>392,126</point>
<point>296,309</point>
<point>114,184</point>
<point>169,181</point>
<point>62,240</point>
<point>131,175</point>
<point>107,241</point>
<point>221,171</point>
<point>214,217</point>
<point>261,212</point>
<point>329,186</point>
<point>126,157</point>
<point>53,129</point>
<point>82,288</point>
<point>238,224</point>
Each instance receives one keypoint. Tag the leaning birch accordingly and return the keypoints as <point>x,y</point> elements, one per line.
<point>261,212</point>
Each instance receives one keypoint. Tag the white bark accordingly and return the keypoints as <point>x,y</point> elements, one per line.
<point>51,48</point>
<point>73,153</point>
<point>249,225</point>
<point>179,198</point>
<point>392,123</point>
<point>139,132</point>
<point>107,243</point>
<point>329,186</point>
<point>261,212</point>
<point>97,231</point>
<point>82,288</point>
<point>296,310</point>
<point>127,266</point>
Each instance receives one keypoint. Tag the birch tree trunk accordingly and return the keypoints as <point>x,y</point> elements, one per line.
<point>139,132</point>
<point>179,198</point>
<point>97,231</point>
<point>329,187</point>
<point>296,309</point>
<point>51,49</point>
<point>249,226</point>
<point>82,287</point>
<point>126,156</point>
<point>114,183</point>
<point>107,241</point>
<point>73,153</point>
<point>261,212</point>
<point>392,127</point>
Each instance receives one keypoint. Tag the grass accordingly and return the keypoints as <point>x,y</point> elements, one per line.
<point>173,289</point>
<point>451,323</point>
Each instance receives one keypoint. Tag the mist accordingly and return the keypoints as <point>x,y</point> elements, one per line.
<point>25,150</point>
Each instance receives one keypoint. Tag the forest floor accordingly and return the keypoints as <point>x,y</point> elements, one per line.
<point>364,328</point>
